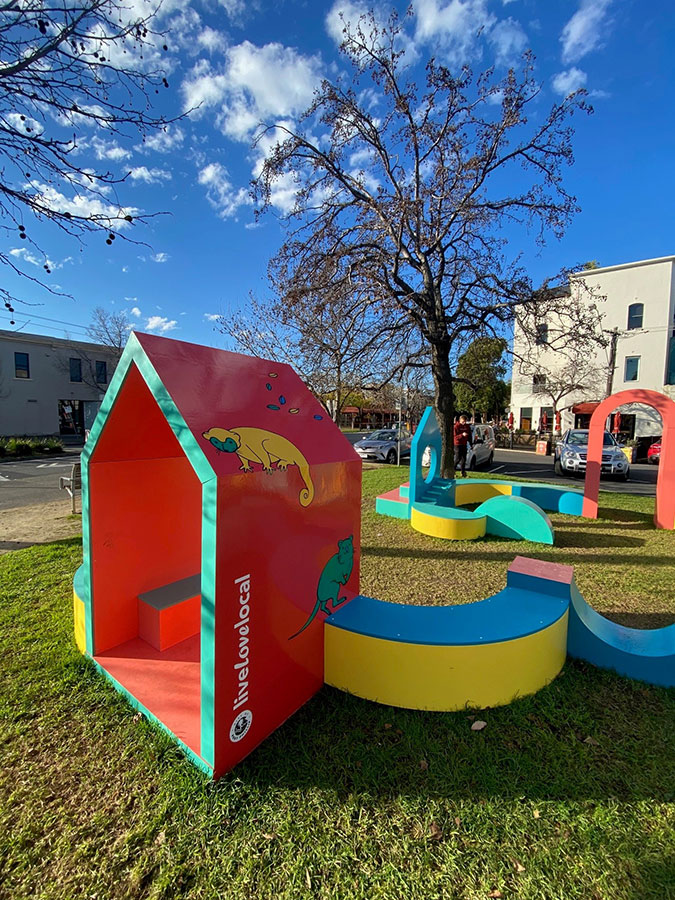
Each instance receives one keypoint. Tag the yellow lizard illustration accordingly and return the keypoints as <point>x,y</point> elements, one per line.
<point>255,445</point>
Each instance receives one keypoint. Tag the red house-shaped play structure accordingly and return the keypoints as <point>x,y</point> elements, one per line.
<point>221,520</point>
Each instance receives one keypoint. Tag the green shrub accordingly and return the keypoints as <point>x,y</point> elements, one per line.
<point>53,445</point>
<point>26,446</point>
<point>19,446</point>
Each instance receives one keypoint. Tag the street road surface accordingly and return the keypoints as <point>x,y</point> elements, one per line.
<point>25,482</point>
<point>526,464</point>
<point>29,481</point>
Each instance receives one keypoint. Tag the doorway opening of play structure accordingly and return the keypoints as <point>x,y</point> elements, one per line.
<point>145,536</point>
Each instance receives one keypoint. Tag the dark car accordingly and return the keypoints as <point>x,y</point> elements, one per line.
<point>571,452</point>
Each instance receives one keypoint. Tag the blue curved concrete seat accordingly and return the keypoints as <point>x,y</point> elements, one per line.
<point>550,497</point>
<point>516,611</point>
<point>645,654</point>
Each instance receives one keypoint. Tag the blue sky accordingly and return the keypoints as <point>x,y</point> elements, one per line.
<point>244,62</point>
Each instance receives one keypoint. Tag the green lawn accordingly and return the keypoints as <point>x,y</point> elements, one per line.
<point>568,794</point>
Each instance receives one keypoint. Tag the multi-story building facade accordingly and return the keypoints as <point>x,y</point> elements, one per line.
<point>638,321</point>
<point>51,386</point>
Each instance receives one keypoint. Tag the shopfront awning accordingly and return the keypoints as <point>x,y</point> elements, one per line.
<point>585,409</point>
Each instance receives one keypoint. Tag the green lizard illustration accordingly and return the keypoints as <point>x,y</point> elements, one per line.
<point>335,573</point>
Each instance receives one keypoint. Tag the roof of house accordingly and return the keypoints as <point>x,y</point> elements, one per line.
<point>204,390</point>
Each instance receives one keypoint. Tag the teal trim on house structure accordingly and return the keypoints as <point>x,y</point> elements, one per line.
<point>134,354</point>
<point>208,624</point>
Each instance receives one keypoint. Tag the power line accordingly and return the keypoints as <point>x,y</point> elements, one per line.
<point>28,320</point>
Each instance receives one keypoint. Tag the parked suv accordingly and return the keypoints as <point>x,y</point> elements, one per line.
<point>571,452</point>
<point>382,446</point>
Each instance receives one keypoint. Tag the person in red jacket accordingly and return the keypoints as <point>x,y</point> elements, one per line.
<point>462,441</point>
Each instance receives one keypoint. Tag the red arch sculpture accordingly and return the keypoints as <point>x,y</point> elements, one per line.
<point>664,507</point>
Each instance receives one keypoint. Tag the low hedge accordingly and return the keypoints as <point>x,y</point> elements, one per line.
<point>28,446</point>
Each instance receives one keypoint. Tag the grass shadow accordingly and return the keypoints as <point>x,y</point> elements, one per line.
<point>588,735</point>
<point>567,538</point>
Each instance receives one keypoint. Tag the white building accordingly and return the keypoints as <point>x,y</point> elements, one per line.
<point>51,386</point>
<point>639,319</point>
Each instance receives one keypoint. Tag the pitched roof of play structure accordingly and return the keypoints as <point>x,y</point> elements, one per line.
<point>202,390</point>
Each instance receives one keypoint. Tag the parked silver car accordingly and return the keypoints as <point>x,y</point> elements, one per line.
<point>571,452</point>
<point>482,451</point>
<point>382,446</point>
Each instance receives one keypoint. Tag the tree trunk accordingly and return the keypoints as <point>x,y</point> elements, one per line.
<point>444,403</point>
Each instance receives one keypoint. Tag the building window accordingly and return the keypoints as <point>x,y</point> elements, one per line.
<point>101,372</point>
<point>538,384</point>
<point>75,369</point>
<point>526,418</point>
<point>635,315</point>
<point>21,365</point>
<point>541,334</point>
<point>632,369</point>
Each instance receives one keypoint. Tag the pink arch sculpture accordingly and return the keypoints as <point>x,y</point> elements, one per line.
<point>664,507</point>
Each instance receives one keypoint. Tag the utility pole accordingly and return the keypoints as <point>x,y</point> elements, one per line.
<point>612,361</point>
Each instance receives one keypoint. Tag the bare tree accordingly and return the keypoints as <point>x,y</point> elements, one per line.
<point>561,346</point>
<point>337,346</point>
<point>64,68</point>
<point>412,191</point>
<point>111,329</point>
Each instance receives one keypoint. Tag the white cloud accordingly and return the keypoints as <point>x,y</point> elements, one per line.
<point>149,176</point>
<point>164,141</point>
<point>234,8</point>
<point>105,214</point>
<point>211,317</point>
<point>344,14</point>
<point>508,40</point>
<point>219,190</point>
<point>585,30</point>
<point>211,40</point>
<point>160,257</point>
<point>24,254</point>
<point>135,311</point>
<point>109,150</point>
<point>161,324</point>
<point>350,16</point>
<point>569,81</point>
<point>255,84</point>
<point>251,85</point>
<point>24,124</point>
<point>455,26</point>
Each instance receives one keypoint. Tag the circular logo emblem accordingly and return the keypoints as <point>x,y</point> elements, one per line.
<point>241,725</point>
